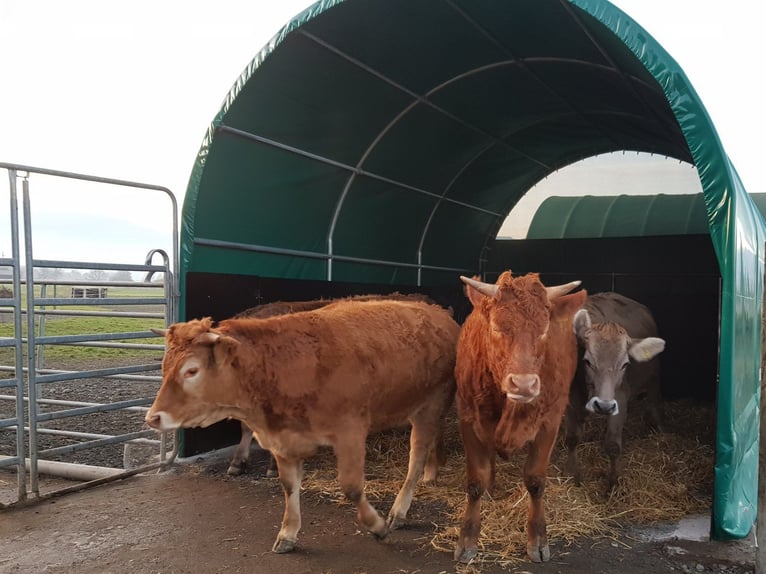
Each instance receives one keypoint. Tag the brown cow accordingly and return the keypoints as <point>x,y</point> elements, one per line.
<point>241,456</point>
<point>516,358</point>
<point>327,377</point>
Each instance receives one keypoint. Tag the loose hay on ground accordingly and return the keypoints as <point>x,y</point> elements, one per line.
<point>664,477</point>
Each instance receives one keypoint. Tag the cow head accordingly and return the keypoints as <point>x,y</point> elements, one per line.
<point>518,313</point>
<point>196,370</point>
<point>607,353</point>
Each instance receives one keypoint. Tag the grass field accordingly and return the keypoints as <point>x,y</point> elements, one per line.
<point>83,325</point>
<point>65,291</point>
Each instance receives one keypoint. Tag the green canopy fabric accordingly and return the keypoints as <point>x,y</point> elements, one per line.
<point>385,141</point>
<point>564,217</point>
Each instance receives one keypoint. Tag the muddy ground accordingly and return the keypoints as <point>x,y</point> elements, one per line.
<point>195,519</point>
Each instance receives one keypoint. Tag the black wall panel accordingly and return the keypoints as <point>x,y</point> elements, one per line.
<point>677,277</point>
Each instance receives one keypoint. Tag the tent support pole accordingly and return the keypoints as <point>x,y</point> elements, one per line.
<point>760,522</point>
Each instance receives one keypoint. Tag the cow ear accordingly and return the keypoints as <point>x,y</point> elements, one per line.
<point>207,338</point>
<point>564,307</point>
<point>473,295</point>
<point>476,290</point>
<point>645,349</point>
<point>582,323</point>
<point>225,350</point>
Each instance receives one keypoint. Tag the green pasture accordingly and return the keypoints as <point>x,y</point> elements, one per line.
<point>56,325</point>
<point>64,291</point>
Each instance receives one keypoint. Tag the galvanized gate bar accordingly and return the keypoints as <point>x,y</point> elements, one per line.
<point>30,374</point>
<point>17,379</point>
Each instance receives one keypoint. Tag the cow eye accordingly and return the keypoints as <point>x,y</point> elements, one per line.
<point>586,362</point>
<point>191,372</point>
<point>624,366</point>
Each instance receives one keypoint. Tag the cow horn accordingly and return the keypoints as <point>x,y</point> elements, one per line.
<point>487,289</point>
<point>160,332</point>
<point>559,290</point>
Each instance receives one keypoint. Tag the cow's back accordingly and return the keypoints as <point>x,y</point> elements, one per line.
<point>276,308</point>
<point>373,360</point>
<point>611,307</point>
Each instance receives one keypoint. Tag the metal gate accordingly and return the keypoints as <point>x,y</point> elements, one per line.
<point>33,309</point>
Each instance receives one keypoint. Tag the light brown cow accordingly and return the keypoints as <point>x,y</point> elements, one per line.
<point>327,377</point>
<point>516,358</point>
<point>241,456</point>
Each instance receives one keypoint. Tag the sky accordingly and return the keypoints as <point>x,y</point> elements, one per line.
<point>126,90</point>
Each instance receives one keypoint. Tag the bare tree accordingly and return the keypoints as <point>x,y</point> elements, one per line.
<point>48,274</point>
<point>121,276</point>
<point>95,275</point>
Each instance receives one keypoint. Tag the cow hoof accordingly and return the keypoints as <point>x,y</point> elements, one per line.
<point>611,486</point>
<point>465,555</point>
<point>381,533</point>
<point>235,469</point>
<point>395,522</point>
<point>283,546</point>
<point>538,554</point>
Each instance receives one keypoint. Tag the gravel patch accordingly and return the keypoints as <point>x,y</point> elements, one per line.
<point>88,390</point>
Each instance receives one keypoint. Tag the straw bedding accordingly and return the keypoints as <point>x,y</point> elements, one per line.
<point>664,476</point>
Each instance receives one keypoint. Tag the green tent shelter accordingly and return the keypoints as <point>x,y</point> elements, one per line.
<point>383,142</point>
<point>568,217</point>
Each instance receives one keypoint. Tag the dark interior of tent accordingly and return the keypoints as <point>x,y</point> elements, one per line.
<point>378,146</point>
<point>677,277</point>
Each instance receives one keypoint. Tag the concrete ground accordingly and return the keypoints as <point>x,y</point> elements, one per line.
<point>690,538</point>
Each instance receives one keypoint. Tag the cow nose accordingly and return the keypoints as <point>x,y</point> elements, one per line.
<point>599,407</point>
<point>153,420</point>
<point>527,385</point>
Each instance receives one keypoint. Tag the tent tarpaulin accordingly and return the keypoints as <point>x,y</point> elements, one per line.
<point>564,217</point>
<point>385,141</point>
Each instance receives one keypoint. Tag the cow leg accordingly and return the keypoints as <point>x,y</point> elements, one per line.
<point>437,455</point>
<point>480,470</point>
<point>422,440</point>
<point>290,475</point>
<point>573,421</point>
<point>654,397</point>
<point>242,454</point>
<point>613,439</point>
<point>436,458</point>
<point>273,470</point>
<point>350,454</point>
<point>535,476</point>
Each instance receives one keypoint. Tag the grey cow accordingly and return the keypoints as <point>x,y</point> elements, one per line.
<point>618,360</point>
